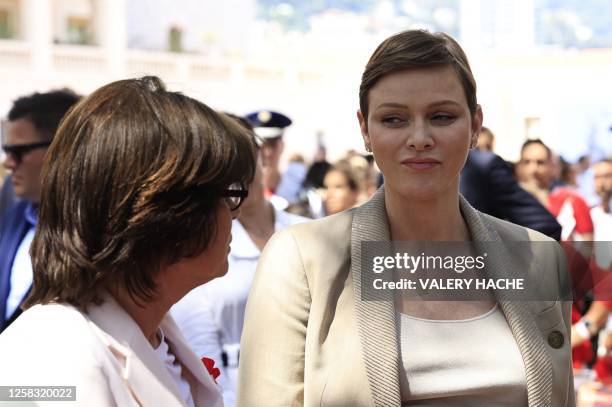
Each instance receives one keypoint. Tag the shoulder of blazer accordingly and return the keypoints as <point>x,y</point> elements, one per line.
<point>59,327</point>
<point>322,235</point>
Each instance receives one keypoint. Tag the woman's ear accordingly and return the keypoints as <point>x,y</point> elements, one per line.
<point>363,125</point>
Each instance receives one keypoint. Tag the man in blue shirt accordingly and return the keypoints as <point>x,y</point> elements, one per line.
<point>32,122</point>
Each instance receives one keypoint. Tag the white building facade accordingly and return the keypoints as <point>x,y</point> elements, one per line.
<point>227,58</point>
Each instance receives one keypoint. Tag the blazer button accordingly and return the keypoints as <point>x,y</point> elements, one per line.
<point>555,339</point>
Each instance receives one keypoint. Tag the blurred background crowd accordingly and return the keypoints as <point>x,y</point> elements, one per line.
<point>287,70</point>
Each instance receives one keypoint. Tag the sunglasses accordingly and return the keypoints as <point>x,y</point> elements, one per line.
<point>235,195</point>
<point>17,151</point>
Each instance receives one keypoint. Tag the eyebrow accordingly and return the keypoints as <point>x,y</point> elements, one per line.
<point>444,102</point>
<point>403,106</point>
<point>391,104</point>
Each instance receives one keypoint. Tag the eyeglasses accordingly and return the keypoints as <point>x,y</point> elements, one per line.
<point>235,195</point>
<point>19,150</point>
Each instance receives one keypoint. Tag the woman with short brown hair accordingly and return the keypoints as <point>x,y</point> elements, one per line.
<point>318,333</point>
<point>139,189</point>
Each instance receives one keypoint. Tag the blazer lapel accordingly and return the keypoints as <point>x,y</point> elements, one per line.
<point>142,371</point>
<point>204,389</point>
<point>537,361</point>
<point>375,319</point>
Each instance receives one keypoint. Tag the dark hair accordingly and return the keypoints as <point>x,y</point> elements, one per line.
<point>416,49</point>
<point>583,158</point>
<point>529,142</point>
<point>241,120</point>
<point>566,172</point>
<point>44,110</point>
<point>131,183</point>
<point>247,125</point>
<point>315,175</point>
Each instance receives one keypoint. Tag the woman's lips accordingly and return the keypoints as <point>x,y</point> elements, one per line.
<point>420,163</point>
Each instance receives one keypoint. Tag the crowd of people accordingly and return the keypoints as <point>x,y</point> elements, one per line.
<point>154,251</point>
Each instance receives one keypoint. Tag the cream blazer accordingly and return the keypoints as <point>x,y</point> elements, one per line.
<point>309,339</point>
<point>103,353</point>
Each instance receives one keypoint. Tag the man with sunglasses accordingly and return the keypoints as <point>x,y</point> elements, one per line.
<point>32,122</point>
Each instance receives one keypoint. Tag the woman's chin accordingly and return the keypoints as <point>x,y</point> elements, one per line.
<point>223,269</point>
<point>220,271</point>
<point>425,193</point>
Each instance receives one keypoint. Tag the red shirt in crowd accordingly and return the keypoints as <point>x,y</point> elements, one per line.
<point>571,211</point>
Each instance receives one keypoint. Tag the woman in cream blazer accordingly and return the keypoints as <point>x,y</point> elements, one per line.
<point>309,338</point>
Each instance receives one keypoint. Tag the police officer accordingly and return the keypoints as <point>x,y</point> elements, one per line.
<point>270,126</point>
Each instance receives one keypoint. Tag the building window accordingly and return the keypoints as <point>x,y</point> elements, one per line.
<point>175,39</point>
<point>77,31</point>
<point>6,28</point>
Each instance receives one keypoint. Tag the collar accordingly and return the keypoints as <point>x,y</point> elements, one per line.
<point>139,365</point>
<point>31,213</point>
<point>243,247</point>
<point>376,320</point>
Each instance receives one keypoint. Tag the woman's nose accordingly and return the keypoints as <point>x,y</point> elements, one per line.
<point>419,137</point>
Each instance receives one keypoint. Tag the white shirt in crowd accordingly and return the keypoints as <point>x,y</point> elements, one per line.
<point>21,274</point>
<point>602,236</point>
<point>174,368</point>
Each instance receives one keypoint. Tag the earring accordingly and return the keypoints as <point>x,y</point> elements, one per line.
<point>474,142</point>
<point>368,148</point>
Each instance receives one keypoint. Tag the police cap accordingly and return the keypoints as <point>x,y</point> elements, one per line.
<point>268,124</point>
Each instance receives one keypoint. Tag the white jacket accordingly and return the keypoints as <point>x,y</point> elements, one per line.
<point>103,353</point>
